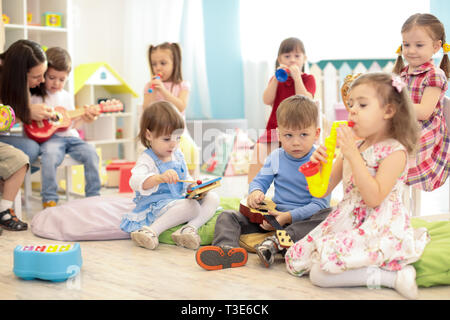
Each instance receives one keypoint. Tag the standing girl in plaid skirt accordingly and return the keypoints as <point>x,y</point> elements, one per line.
<point>423,36</point>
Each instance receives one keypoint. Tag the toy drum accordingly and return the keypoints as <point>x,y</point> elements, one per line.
<point>54,262</point>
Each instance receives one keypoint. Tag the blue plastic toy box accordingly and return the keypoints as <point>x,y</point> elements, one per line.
<point>54,262</point>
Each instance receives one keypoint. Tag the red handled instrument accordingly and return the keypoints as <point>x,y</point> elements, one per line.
<point>41,131</point>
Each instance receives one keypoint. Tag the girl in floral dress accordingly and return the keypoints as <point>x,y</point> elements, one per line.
<point>367,239</point>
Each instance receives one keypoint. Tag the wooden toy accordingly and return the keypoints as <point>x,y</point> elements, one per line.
<point>260,214</point>
<point>7,117</point>
<point>198,192</point>
<point>41,131</point>
<point>188,181</point>
<point>284,239</point>
<point>52,19</point>
<point>54,262</point>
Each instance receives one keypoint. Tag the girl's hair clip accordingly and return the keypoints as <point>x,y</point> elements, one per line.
<point>398,83</point>
<point>399,50</point>
<point>446,48</point>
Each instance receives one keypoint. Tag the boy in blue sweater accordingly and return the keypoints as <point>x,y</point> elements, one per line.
<point>296,208</point>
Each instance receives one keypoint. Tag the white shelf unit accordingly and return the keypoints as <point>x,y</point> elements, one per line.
<point>102,132</point>
<point>18,27</point>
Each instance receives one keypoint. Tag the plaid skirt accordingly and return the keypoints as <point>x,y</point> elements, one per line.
<point>429,168</point>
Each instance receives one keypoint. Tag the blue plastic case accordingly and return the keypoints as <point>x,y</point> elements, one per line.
<point>54,262</point>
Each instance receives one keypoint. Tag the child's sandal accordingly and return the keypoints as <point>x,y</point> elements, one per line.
<point>9,221</point>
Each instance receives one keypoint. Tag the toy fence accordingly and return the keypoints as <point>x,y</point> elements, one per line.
<point>329,76</point>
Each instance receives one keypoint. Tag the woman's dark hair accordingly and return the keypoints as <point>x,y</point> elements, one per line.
<point>16,62</point>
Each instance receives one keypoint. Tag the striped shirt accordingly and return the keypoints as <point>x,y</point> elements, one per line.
<point>430,167</point>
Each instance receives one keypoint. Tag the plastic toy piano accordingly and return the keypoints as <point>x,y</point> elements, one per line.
<point>54,262</point>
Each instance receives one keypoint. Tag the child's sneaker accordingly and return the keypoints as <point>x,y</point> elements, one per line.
<point>186,237</point>
<point>216,258</point>
<point>267,250</point>
<point>145,237</point>
<point>49,204</point>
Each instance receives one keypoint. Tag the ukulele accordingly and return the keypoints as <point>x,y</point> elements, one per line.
<point>41,131</point>
<point>261,214</point>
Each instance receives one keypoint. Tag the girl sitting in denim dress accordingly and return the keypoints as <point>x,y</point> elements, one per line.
<point>160,200</point>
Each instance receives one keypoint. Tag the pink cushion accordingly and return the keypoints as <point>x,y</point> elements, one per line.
<point>94,218</point>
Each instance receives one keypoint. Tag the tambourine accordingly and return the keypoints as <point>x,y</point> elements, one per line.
<point>7,117</point>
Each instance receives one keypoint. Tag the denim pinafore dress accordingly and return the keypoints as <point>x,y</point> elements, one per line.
<point>150,207</point>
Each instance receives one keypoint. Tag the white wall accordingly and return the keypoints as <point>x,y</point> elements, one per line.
<point>344,29</point>
<point>99,32</point>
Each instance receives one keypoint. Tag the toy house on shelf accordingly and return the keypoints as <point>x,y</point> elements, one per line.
<point>114,131</point>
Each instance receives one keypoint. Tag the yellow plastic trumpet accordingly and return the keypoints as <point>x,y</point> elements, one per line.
<point>318,179</point>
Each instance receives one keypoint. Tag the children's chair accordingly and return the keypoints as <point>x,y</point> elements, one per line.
<point>67,164</point>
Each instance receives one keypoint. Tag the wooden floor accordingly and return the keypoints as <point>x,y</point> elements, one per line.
<point>120,270</point>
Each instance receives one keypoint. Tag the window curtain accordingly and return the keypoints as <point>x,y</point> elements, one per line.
<point>155,21</point>
<point>329,29</point>
<point>194,60</point>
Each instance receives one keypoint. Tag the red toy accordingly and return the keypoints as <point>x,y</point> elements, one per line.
<point>158,76</point>
<point>41,131</point>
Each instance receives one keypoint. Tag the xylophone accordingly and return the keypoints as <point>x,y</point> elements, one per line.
<point>199,191</point>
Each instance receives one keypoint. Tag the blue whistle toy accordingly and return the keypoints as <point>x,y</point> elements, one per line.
<point>282,74</point>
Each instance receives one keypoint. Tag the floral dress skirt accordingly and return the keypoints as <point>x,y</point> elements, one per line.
<point>355,235</point>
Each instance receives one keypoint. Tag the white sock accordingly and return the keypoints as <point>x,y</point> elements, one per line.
<point>372,277</point>
<point>5,205</point>
<point>405,282</point>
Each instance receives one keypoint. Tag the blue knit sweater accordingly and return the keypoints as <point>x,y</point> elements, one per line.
<point>291,189</point>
